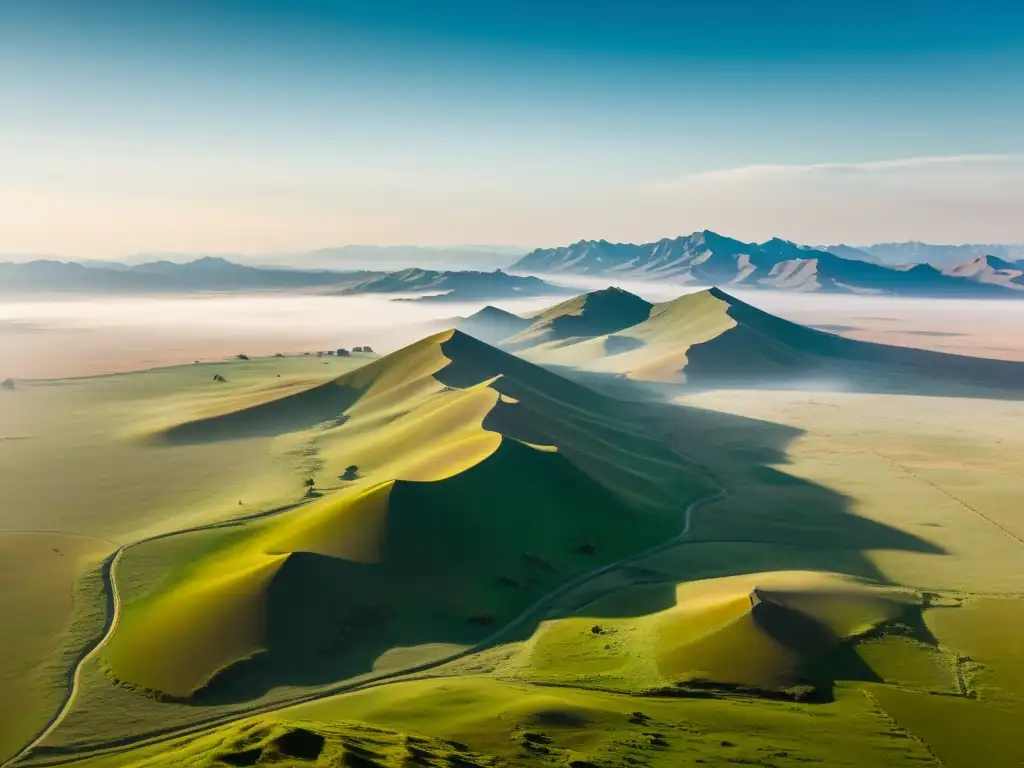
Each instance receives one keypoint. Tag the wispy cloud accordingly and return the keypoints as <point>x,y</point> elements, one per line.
<point>780,171</point>
<point>952,198</point>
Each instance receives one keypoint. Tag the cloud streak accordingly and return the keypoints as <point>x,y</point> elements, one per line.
<point>762,172</point>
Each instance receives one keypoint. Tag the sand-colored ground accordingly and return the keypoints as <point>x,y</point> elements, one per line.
<point>39,575</point>
<point>946,470</point>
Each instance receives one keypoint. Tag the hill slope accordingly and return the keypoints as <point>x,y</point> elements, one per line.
<point>590,314</point>
<point>710,337</point>
<point>762,632</point>
<point>991,270</point>
<point>471,483</point>
<point>456,286</point>
<point>492,324</point>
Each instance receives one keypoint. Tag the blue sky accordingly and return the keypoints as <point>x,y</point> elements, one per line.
<point>270,126</point>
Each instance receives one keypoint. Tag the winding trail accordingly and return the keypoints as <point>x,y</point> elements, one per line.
<point>114,611</point>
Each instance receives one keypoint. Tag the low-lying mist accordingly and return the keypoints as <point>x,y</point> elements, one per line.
<point>89,335</point>
<point>46,338</point>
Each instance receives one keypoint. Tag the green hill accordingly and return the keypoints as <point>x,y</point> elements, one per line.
<point>483,482</point>
<point>591,314</point>
<point>712,338</point>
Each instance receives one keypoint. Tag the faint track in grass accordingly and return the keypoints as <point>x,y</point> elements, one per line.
<point>113,611</point>
<point>399,675</point>
<point>943,491</point>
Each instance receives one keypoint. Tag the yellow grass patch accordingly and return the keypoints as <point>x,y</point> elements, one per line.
<point>38,574</point>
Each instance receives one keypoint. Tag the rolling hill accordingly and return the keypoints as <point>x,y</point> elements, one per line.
<point>491,324</point>
<point>590,314</point>
<point>798,632</point>
<point>707,258</point>
<point>456,286</point>
<point>459,483</point>
<point>712,338</point>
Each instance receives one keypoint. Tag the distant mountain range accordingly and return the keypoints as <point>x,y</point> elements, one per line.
<point>205,274</point>
<point>218,274</point>
<point>702,258</point>
<point>456,286</point>
<point>941,256</point>
<point>707,258</point>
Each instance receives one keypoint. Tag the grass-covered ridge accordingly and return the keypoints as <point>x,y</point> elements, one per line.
<point>480,486</point>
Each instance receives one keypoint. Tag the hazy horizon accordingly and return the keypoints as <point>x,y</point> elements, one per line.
<point>484,250</point>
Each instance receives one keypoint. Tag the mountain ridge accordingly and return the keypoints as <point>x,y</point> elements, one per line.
<point>705,258</point>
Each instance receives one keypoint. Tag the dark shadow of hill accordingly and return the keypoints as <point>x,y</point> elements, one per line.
<point>603,312</point>
<point>807,526</point>
<point>616,345</point>
<point>326,402</point>
<point>765,350</point>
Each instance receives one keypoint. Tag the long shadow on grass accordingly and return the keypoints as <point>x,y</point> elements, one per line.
<point>302,410</point>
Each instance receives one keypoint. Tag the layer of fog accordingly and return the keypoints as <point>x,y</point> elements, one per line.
<point>80,336</point>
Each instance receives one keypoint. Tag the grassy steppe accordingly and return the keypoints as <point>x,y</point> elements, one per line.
<point>80,477</point>
<point>510,482</point>
<point>851,597</point>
